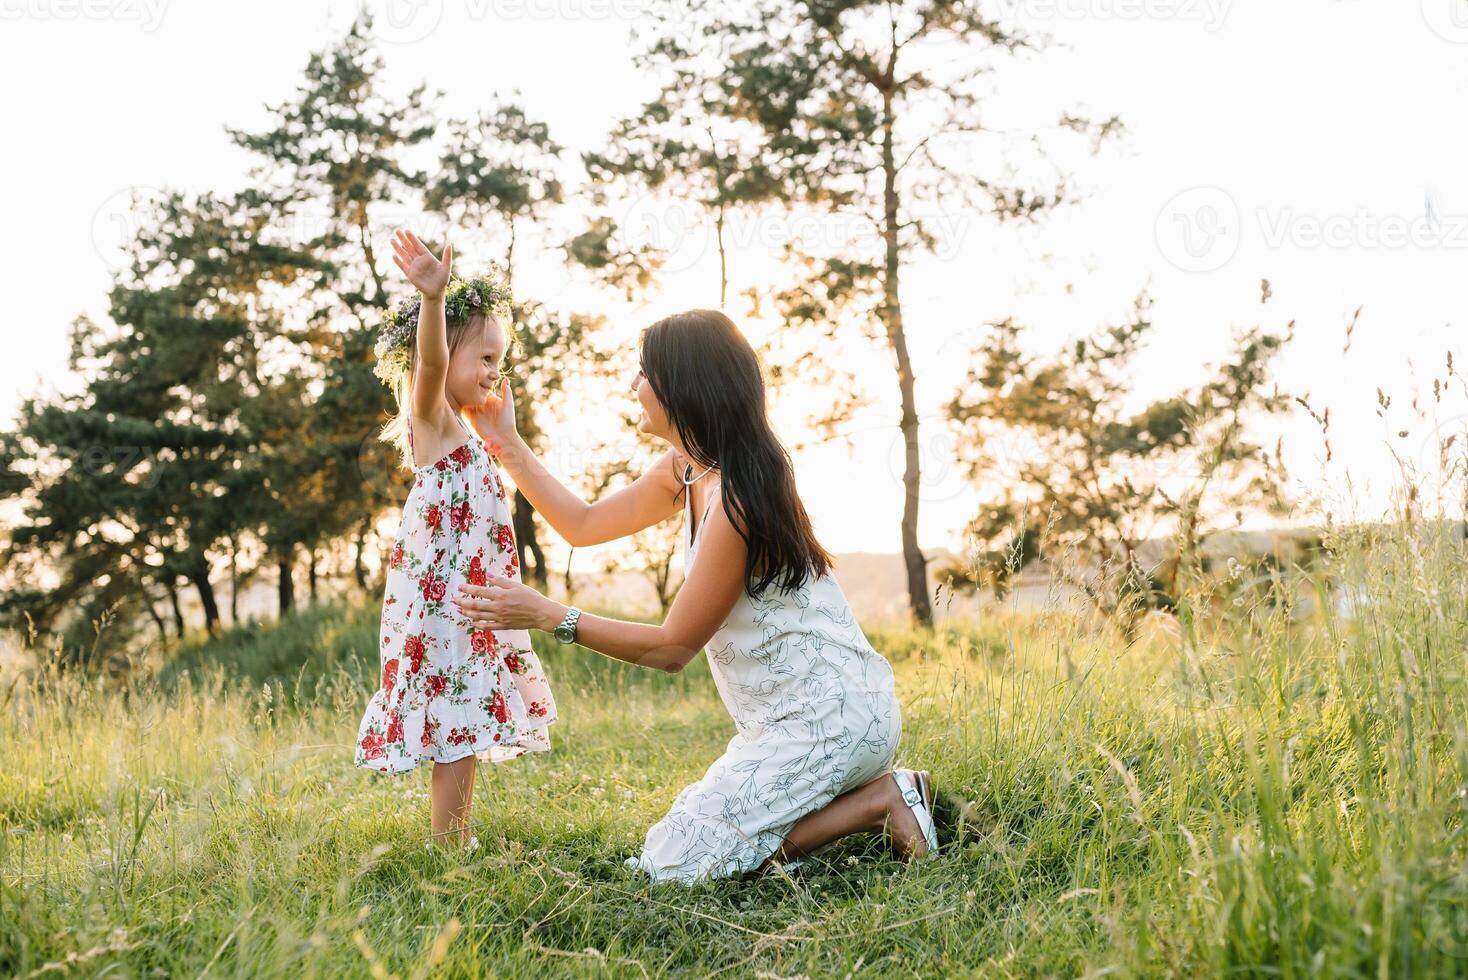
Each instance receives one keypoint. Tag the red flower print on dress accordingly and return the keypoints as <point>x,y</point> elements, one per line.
<point>499,708</point>
<point>505,538</point>
<point>397,556</point>
<point>413,650</point>
<point>477,575</point>
<point>512,661</point>
<point>460,516</point>
<point>434,588</point>
<point>433,517</point>
<point>437,683</point>
<point>457,736</point>
<point>463,455</point>
<point>482,641</point>
<point>428,729</point>
<point>536,709</point>
<point>395,728</point>
<point>372,746</point>
<point>389,674</point>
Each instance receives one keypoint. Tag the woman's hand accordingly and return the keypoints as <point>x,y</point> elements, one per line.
<point>423,270</point>
<point>494,419</point>
<point>507,605</point>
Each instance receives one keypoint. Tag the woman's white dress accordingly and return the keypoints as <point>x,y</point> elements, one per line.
<point>815,713</point>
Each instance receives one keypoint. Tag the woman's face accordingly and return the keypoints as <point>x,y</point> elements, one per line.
<point>474,369</point>
<point>654,420</point>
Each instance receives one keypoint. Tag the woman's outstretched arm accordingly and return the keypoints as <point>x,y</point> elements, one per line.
<point>650,499</point>
<point>700,608</point>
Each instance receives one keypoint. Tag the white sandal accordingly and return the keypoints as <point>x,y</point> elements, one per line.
<point>919,799</point>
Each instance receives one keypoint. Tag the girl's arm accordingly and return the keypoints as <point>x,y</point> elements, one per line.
<point>699,609</point>
<point>431,277</point>
<point>650,499</point>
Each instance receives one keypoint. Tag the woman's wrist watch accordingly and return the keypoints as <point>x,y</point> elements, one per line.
<point>566,632</point>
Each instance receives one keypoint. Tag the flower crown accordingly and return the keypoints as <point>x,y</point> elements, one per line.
<point>488,294</point>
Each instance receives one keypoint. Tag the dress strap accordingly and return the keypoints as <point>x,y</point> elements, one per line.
<point>687,506</point>
<point>707,506</point>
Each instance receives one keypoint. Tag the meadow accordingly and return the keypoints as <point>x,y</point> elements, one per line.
<point>1276,788</point>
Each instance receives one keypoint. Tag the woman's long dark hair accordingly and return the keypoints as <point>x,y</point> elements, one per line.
<point>708,380</point>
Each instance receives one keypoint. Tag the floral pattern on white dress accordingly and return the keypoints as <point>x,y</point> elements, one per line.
<point>450,689</point>
<point>815,714</point>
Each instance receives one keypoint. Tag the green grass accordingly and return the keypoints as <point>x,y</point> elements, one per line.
<point>1269,795</point>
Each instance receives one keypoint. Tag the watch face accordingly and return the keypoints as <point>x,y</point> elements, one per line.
<point>564,634</point>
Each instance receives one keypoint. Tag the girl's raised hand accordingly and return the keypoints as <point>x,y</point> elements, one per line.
<point>430,275</point>
<point>494,418</point>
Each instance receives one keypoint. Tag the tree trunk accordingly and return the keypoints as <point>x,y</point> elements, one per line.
<point>234,583</point>
<point>917,564</point>
<point>285,588</point>
<point>719,212</point>
<point>570,593</point>
<point>311,573</point>
<point>723,259</point>
<point>178,619</point>
<point>359,570</point>
<point>199,575</point>
<point>371,259</point>
<point>525,540</point>
<point>510,255</point>
<point>153,612</point>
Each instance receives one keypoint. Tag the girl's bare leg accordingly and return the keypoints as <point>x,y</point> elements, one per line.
<point>452,794</point>
<point>868,809</point>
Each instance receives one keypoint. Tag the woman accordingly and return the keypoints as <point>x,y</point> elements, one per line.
<point>816,714</point>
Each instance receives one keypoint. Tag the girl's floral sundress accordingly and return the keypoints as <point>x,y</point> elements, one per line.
<point>450,689</point>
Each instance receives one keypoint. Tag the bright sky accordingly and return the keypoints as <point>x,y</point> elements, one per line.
<point>1312,143</point>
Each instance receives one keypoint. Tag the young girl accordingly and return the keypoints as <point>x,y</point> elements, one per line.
<point>451,692</point>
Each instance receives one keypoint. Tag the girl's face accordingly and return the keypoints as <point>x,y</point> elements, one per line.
<point>654,420</point>
<point>474,369</point>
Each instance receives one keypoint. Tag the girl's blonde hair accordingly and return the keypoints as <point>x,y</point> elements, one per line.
<point>395,432</point>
